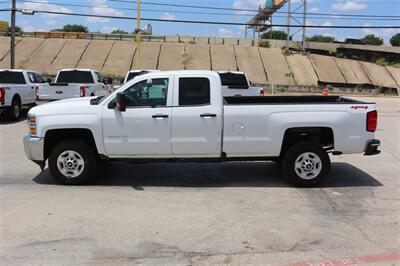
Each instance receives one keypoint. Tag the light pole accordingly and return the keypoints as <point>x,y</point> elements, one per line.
<point>13,18</point>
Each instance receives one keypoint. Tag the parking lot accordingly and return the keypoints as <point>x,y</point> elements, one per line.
<point>202,214</point>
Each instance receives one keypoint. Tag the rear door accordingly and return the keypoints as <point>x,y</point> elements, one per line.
<point>196,117</point>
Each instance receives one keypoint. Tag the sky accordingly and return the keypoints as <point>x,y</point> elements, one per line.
<point>108,7</point>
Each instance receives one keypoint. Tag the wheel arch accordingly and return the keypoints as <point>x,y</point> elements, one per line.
<point>321,135</point>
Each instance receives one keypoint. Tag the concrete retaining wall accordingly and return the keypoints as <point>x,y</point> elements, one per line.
<point>248,60</point>
<point>198,57</point>
<point>223,58</point>
<point>352,71</point>
<point>378,75</point>
<point>120,59</point>
<point>304,74</point>
<point>326,69</point>
<point>96,54</point>
<point>146,56</point>
<point>275,66</point>
<point>23,50</point>
<point>172,56</point>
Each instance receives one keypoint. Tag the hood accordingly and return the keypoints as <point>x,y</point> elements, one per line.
<point>67,106</point>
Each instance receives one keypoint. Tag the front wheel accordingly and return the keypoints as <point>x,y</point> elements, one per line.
<point>72,162</point>
<point>306,164</point>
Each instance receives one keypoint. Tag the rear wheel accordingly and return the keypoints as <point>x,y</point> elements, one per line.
<point>72,162</point>
<point>14,111</point>
<point>306,164</point>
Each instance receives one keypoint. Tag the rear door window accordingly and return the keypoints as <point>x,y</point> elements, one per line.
<point>194,91</point>
<point>75,77</point>
<point>11,77</point>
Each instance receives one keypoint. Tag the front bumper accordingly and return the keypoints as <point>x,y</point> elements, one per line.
<point>372,147</point>
<point>34,149</point>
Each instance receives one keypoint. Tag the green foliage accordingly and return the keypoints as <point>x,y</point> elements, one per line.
<point>274,35</point>
<point>371,39</point>
<point>75,28</point>
<point>321,38</point>
<point>264,43</point>
<point>395,40</point>
<point>119,31</point>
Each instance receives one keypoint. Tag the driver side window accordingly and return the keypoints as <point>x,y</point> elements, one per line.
<point>143,94</point>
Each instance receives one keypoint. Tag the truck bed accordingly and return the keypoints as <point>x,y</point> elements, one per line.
<point>257,100</point>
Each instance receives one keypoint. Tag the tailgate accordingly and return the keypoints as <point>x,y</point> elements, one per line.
<point>58,91</point>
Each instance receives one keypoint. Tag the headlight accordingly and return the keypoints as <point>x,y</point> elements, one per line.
<point>32,125</point>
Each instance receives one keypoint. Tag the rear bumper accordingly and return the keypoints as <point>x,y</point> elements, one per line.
<point>34,149</point>
<point>372,147</point>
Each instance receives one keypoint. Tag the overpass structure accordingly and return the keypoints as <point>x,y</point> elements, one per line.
<point>263,65</point>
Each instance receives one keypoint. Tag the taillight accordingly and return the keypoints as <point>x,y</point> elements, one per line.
<point>261,92</point>
<point>37,93</point>
<point>83,91</point>
<point>2,95</point>
<point>372,121</point>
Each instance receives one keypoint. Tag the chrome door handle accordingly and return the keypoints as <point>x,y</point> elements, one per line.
<point>160,116</point>
<point>208,115</point>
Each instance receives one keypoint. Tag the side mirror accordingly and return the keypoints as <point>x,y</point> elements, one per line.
<point>120,102</point>
<point>49,80</point>
<point>107,81</point>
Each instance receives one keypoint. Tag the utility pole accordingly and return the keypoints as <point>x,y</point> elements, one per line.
<point>13,18</point>
<point>288,25</point>
<point>138,38</point>
<point>304,26</point>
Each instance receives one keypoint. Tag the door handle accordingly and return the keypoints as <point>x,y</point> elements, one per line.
<point>208,115</point>
<point>160,116</point>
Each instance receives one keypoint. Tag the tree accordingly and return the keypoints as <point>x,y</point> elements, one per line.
<point>119,31</point>
<point>321,38</point>
<point>75,28</point>
<point>17,30</point>
<point>274,35</point>
<point>395,40</point>
<point>371,39</point>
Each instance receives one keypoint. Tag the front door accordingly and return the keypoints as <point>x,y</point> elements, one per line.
<point>144,129</point>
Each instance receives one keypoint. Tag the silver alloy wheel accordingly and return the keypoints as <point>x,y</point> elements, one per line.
<point>16,111</point>
<point>308,165</point>
<point>70,164</point>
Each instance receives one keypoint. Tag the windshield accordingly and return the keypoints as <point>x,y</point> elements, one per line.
<point>132,75</point>
<point>75,76</point>
<point>11,77</point>
<point>233,79</point>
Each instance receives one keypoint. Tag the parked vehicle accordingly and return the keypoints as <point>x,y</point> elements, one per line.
<point>132,74</point>
<point>237,84</point>
<point>74,83</point>
<point>181,116</point>
<point>17,90</point>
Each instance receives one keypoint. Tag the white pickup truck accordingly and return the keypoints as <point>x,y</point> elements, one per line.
<point>237,84</point>
<point>74,83</point>
<point>181,116</point>
<point>18,88</point>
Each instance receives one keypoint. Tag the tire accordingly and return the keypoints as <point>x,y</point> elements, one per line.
<point>72,162</point>
<point>14,111</point>
<point>306,164</point>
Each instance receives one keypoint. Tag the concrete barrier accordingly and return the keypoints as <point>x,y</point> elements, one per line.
<point>223,58</point>
<point>23,51</point>
<point>326,69</point>
<point>119,60</point>
<point>172,56</point>
<point>379,75</point>
<point>95,54</point>
<point>248,60</point>
<point>352,71</point>
<point>42,58</point>
<point>300,66</point>
<point>198,57</point>
<point>69,55</point>
<point>146,56</point>
<point>275,66</point>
